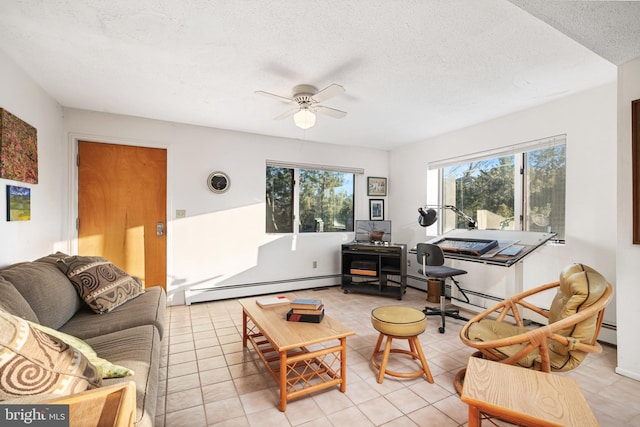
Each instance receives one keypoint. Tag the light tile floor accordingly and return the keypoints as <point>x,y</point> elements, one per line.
<point>207,378</point>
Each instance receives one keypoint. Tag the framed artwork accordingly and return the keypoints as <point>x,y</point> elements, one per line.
<point>18,203</point>
<point>376,186</point>
<point>635,165</point>
<point>376,209</point>
<point>18,149</point>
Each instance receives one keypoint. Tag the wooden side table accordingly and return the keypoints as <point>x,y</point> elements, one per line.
<point>523,396</point>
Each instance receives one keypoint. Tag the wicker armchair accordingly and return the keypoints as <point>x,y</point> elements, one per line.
<point>574,322</point>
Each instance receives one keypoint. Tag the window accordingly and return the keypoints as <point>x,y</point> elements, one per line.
<point>309,200</point>
<point>522,189</point>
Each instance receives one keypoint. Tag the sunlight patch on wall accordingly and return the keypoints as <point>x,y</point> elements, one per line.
<point>220,245</point>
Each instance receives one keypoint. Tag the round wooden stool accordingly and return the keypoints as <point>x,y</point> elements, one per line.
<point>400,323</point>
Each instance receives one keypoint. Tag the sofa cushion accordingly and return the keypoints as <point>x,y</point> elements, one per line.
<point>14,303</point>
<point>139,349</point>
<point>49,293</point>
<point>33,362</point>
<point>147,309</point>
<point>100,283</point>
<point>105,368</point>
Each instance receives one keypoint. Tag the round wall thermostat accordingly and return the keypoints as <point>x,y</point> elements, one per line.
<point>218,182</point>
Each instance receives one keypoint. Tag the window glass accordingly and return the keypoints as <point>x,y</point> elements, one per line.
<point>279,200</point>
<point>326,201</point>
<point>483,190</point>
<point>545,172</point>
<point>321,200</point>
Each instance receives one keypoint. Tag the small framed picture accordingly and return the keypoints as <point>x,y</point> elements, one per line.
<point>376,186</point>
<point>18,203</point>
<point>376,209</point>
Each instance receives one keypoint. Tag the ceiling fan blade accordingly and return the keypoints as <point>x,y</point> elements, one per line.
<point>328,92</point>
<point>328,111</point>
<point>273,95</point>
<point>287,114</point>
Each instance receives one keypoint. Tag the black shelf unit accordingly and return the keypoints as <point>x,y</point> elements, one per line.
<point>371,268</point>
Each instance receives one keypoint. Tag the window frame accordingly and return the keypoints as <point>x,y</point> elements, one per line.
<point>518,151</point>
<point>296,168</point>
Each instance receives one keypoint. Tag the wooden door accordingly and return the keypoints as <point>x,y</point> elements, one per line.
<point>122,193</point>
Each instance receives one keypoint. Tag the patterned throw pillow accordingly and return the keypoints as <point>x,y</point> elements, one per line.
<point>33,362</point>
<point>101,284</point>
<point>105,368</point>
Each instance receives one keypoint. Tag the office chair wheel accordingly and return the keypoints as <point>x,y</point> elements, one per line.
<point>346,291</point>
<point>441,329</point>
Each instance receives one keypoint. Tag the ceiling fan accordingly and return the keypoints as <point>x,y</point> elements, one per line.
<point>308,99</point>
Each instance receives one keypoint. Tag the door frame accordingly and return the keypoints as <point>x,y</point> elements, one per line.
<point>72,230</point>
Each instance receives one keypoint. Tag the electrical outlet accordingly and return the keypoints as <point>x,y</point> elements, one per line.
<point>315,264</point>
<point>181,213</point>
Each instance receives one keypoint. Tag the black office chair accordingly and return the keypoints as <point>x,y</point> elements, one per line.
<point>431,258</point>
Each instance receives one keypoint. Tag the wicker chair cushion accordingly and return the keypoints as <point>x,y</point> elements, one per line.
<point>490,330</point>
<point>580,286</point>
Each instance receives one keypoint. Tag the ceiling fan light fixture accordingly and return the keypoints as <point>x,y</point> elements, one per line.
<point>304,118</point>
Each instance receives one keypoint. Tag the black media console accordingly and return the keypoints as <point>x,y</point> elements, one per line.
<point>374,268</point>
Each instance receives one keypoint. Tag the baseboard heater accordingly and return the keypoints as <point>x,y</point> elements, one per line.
<point>605,325</point>
<point>241,290</point>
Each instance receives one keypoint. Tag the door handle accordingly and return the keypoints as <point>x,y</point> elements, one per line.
<point>160,229</point>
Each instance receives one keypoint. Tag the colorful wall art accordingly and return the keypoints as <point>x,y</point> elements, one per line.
<point>18,149</point>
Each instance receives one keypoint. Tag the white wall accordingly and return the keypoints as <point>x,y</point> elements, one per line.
<point>222,241</point>
<point>589,121</point>
<point>628,255</point>
<point>44,233</point>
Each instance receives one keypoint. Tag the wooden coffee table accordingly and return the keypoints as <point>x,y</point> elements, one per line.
<point>523,396</point>
<point>301,357</point>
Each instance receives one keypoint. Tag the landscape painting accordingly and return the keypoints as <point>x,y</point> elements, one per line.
<point>18,203</point>
<point>18,149</point>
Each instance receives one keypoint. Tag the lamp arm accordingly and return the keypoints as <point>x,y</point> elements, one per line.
<point>471,223</point>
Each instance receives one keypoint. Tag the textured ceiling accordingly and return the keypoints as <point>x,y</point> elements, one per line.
<point>412,69</point>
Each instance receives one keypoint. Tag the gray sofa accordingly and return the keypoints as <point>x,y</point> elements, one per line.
<point>130,335</point>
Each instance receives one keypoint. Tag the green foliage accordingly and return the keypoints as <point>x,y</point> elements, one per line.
<point>485,184</point>
<point>279,200</point>
<point>546,173</point>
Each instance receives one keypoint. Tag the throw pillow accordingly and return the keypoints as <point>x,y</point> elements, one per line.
<point>101,284</point>
<point>105,368</point>
<point>33,362</point>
